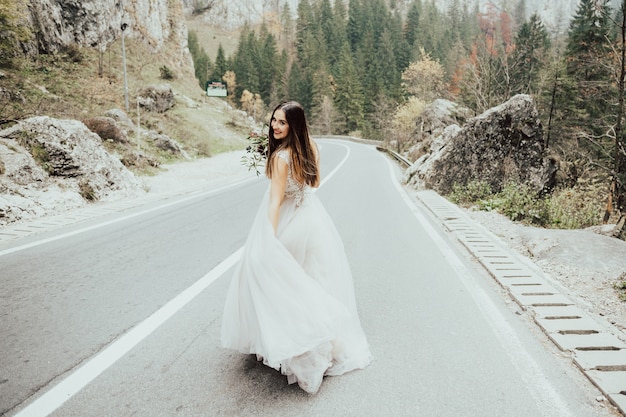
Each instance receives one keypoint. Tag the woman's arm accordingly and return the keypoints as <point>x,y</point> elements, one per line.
<point>316,155</point>
<point>280,171</point>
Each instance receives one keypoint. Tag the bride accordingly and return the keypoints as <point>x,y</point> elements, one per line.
<point>291,300</point>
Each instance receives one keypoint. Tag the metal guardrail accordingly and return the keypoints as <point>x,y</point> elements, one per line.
<point>396,156</point>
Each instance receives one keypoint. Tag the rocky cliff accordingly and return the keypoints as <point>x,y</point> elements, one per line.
<point>64,139</point>
<point>230,14</point>
<point>97,23</point>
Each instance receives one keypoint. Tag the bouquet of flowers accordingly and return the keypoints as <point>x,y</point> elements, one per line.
<point>256,152</point>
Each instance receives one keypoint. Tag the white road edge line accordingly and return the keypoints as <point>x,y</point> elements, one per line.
<point>538,384</point>
<point>340,164</point>
<point>119,219</point>
<point>63,391</point>
<point>76,381</point>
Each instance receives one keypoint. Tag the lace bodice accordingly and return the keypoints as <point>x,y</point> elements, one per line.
<point>299,192</point>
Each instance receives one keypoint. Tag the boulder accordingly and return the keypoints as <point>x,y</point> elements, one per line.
<point>120,117</point>
<point>159,140</point>
<point>26,190</point>
<point>107,129</point>
<point>165,143</point>
<point>431,123</point>
<point>503,144</point>
<point>51,165</point>
<point>157,98</point>
<point>438,115</point>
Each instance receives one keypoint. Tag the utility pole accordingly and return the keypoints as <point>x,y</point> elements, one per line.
<point>124,26</point>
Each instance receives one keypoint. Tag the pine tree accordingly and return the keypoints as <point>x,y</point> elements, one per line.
<point>587,57</point>
<point>287,34</point>
<point>340,19</point>
<point>268,65</point>
<point>460,32</point>
<point>455,17</point>
<point>389,73</point>
<point>201,61</point>
<point>401,48</point>
<point>411,26</point>
<point>531,44</point>
<point>326,21</point>
<point>245,63</point>
<point>299,86</point>
<point>348,95</point>
<point>221,65</point>
<point>431,31</point>
<point>355,29</point>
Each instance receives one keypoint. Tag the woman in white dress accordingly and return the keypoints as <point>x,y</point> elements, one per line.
<point>291,300</point>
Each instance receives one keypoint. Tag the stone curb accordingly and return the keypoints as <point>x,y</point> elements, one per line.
<point>597,352</point>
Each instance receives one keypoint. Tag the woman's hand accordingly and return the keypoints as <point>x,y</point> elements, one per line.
<point>280,170</point>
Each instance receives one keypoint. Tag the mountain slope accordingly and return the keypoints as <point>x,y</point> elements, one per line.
<point>230,14</point>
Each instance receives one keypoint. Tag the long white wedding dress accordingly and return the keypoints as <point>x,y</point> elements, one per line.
<point>291,300</point>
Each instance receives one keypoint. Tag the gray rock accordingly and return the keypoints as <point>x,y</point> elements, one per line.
<point>166,143</point>
<point>504,143</point>
<point>430,125</point>
<point>157,98</point>
<point>50,163</point>
<point>96,23</point>
<point>438,115</point>
<point>119,116</point>
<point>107,129</point>
<point>161,141</point>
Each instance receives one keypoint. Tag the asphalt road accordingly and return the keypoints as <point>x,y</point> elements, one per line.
<point>120,315</point>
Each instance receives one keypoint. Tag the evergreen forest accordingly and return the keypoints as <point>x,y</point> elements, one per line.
<point>367,68</point>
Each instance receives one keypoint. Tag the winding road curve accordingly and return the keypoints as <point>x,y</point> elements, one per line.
<point>119,315</point>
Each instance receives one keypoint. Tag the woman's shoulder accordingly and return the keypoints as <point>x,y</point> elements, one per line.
<point>284,154</point>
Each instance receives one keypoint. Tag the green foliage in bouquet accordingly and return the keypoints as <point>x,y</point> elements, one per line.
<point>256,153</point>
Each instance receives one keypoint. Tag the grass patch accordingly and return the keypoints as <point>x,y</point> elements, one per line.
<point>519,203</point>
<point>566,208</point>
<point>86,191</point>
<point>42,157</point>
<point>620,287</point>
<point>83,83</point>
<point>578,207</point>
<point>473,192</point>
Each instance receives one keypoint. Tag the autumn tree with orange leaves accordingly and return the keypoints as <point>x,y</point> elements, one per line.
<point>483,78</point>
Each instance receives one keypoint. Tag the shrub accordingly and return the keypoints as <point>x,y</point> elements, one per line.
<point>74,53</point>
<point>166,73</point>
<point>42,157</point>
<point>470,193</point>
<point>106,128</point>
<point>86,191</point>
<point>577,207</point>
<point>620,287</point>
<point>566,208</point>
<point>139,162</point>
<point>519,203</point>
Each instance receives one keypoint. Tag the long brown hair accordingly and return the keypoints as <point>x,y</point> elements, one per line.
<point>304,165</point>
